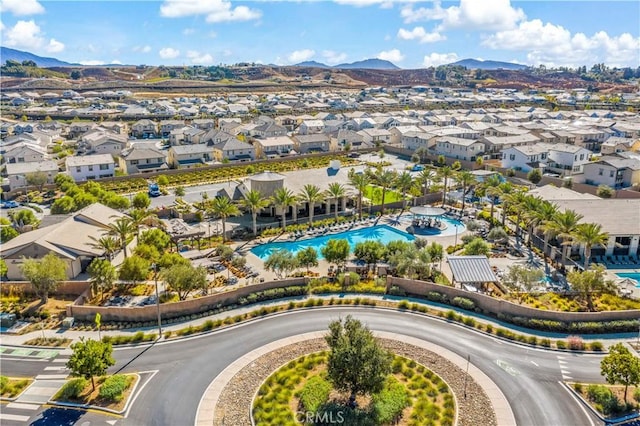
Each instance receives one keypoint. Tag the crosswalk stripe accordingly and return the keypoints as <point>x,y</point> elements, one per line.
<point>56,368</point>
<point>60,360</point>
<point>15,417</point>
<point>51,376</point>
<point>21,406</point>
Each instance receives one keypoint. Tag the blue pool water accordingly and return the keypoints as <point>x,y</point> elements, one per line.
<point>632,275</point>
<point>452,225</point>
<point>382,233</point>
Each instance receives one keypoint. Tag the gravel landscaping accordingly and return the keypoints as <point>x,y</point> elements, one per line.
<point>234,405</point>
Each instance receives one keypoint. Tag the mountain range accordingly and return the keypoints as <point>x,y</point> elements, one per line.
<point>473,64</point>
<point>373,64</point>
<point>19,55</point>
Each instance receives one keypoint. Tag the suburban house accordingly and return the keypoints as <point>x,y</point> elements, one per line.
<point>144,128</point>
<point>459,148</point>
<point>70,239</point>
<point>376,136</point>
<point>167,126</point>
<point>186,135</point>
<point>189,156</point>
<point>89,167</point>
<point>268,130</point>
<point>525,158</point>
<point>273,147</point>
<point>616,172</point>
<point>215,136</point>
<point>567,159</point>
<point>203,123</point>
<point>414,140</point>
<point>616,144</point>
<point>305,144</point>
<point>17,172</point>
<point>78,128</point>
<point>494,145</point>
<point>101,142</point>
<point>25,153</point>
<point>311,126</point>
<point>348,138</point>
<point>142,160</point>
<point>234,150</point>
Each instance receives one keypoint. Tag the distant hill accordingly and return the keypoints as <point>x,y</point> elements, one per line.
<point>473,64</point>
<point>371,64</point>
<point>19,55</point>
<point>312,64</point>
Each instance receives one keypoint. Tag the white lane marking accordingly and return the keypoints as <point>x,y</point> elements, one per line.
<point>535,363</point>
<point>111,422</point>
<point>15,417</point>
<point>51,376</point>
<point>21,406</point>
<point>54,368</point>
<point>60,360</point>
<point>579,403</point>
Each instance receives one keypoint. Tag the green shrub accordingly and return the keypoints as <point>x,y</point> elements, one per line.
<point>314,393</point>
<point>636,394</point>
<point>561,344</point>
<point>4,382</point>
<point>604,399</point>
<point>596,346</point>
<point>436,296</point>
<point>114,386</point>
<point>72,389</point>
<point>577,387</point>
<point>464,303</point>
<point>390,402</point>
<point>545,342</point>
<point>403,304</point>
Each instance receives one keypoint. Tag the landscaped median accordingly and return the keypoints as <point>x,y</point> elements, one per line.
<point>12,387</point>
<point>111,393</point>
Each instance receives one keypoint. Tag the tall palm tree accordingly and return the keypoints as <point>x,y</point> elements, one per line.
<point>123,229</point>
<point>141,217</point>
<point>446,173</point>
<point>466,179</point>
<point>589,234</point>
<point>359,182</point>
<point>283,198</point>
<point>506,188</point>
<point>546,214</point>
<point>335,192</point>
<point>492,190</point>
<point>564,226</point>
<point>403,183</point>
<point>254,201</point>
<point>108,244</point>
<point>223,208</point>
<point>426,177</point>
<point>513,203</point>
<point>311,194</point>
<point>530,212</point>
<point>385,179</point>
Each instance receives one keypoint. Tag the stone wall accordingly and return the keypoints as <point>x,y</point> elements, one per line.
<point>495,306</point>
<point>75,288</point>
<point>175,309</point>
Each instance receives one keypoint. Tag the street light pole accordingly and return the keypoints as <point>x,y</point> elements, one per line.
<point>155,276</point>
<point>465,376</point>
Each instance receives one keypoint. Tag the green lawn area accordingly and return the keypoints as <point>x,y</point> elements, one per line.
<point>374,193</point>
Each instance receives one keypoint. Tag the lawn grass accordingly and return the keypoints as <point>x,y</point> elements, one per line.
<point>374,193</point>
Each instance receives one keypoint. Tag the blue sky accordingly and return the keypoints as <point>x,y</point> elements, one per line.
<point>412,34</point>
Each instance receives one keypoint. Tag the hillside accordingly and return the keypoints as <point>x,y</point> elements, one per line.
<point>19,55</point>
<point>371,64</point>
<point>474,64</point>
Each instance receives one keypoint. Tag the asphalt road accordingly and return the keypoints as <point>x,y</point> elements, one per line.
<point>529,378</point>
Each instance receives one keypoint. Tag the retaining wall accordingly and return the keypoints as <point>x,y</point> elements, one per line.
<point>75,288</point>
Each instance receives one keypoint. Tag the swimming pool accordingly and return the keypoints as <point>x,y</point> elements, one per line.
<point>382,233</point>
<point>633,275</point>
<point>452,225</point>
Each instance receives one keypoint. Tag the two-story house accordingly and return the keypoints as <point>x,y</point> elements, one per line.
<point>304,144</point>
<point>376,136</point>
<point>459,148</point>
<point>18,173</point>
<point>268,130</point>
<point>142,160</point>
<point>567,159</point>
<point>25,153</point>
<point>613,171</point>
<point>234,150</point>
<point>311,126</point>
<point>494,145</point>
<point>189,156</point>
<point>144,129</point>
<point>273,147</point>
<point>166,126</point>
<point>89,167</point>
<point>103,142</point>
<point>525,158</point>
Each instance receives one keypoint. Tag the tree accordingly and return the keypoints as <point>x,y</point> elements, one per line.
<point>436,252</point>
<point>147,252</point>
<point>3,268</point>
<point>335,192</point>
<point>534,176</point>
<point>169,259</point>
<point>103,275</point>
<point>223,208</point>
<point>385,179</point>
<point>466,179</point>
<point>307,257</point>
<point>107,244</point>
<point>183,279</point>
<point>445,173</point>
<point>24,217</point>
<point>336,251</point>
<point>356,362</point>
<point>604,191</point>
<point>179,191</point>
<point>546,213</point>
<point>254,202</point>
<point>83,199</point>
<point>370,252</point>
<point>157,238</point>
<point>621,367</point>
<point>522,279</point>
<point>141,201</point>
<point>63,205</point>
<point>7,231</point>
<point>403,183</point>
<point>359,182</point>
<point>563,227</point>
<point>75,75</point>
<point>44,274</point>
<point>281,262</point>
<point>283,198</point>
<point>590,282</point>
<point>311,194</point>
<point>38,179</point>
<point>491,187</point>
<point>426,178</point>
<point>115,201</point>
<point>134,269</point>
<point>590,234</point>
<point>123,229</point>
<point>412,262</point>
<point>141,216</point>
<point>90,358</point>
<point>63,181</point>
<point>477,246</point>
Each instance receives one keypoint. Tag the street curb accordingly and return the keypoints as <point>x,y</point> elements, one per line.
<point>594,411</point>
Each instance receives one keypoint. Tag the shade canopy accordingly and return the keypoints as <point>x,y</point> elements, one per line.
<point>427,211</point>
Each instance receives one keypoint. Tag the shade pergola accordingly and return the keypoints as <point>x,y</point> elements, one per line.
<point>426,211</point>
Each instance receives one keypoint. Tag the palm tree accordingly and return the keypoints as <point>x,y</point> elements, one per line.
<point>123,230</point>
<point>254,201</point>
<point>466,178</point>
<point>359,182</point>
<point>426,177</point>
<point>109,245</point>
<point>589,234</point>
<point>446,172</point>
<point>546,214</point>
<point>564,226</point>
<point>283,198</point>
<point>311,195</point>
<point>141,217</point>
<point>493,191</point>
<point>513,202</point>
<point>385,179</point>
<point>404,182</point>
<point>335,192</point>
<point>223,208</point>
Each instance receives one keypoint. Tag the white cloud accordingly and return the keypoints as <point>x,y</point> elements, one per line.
<point>333,58</point>
<point>214,10</point>
<point>554,45</point>
<point>142,49</point>
<point>188,31</point>
<point>435,59</point>
<point>21,7</point>
<point>55,46</point>
<point>393,55</point>
<point>27,35</point>
<point>418,33</point>
<point>92,62</point>
<point>199,58</point>
<point>169,53</point>
<point>301,55</point>
<point>470,14</point>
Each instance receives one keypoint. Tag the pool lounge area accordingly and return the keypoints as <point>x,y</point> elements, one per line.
<point>633,275</point>
<point>382,233</point>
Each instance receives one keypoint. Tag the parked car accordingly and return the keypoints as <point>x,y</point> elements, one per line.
<point>417,168</point>
<point>154,190</point>
<point>10,204</point>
